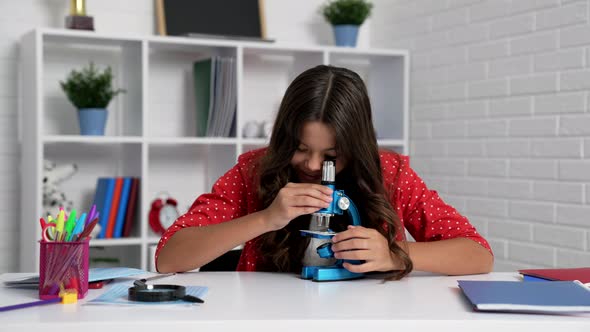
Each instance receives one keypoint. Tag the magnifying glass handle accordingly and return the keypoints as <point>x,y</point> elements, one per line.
<point>141,283</point>
<point>193,299</point>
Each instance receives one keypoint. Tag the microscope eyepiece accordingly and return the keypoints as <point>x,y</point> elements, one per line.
<point>329,172</point>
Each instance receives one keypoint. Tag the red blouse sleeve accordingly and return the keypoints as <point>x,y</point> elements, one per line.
<point>226,201</point>
<point>422,212</point>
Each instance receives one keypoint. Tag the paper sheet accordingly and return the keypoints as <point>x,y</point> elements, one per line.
<point>117,294</point>
<point>106,273</point>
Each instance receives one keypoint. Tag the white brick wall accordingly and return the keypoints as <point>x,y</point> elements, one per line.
<point>293,22</point>
<point>500,119</point>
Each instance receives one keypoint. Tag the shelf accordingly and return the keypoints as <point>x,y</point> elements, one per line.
<point>192,140</point>
<point>92,139</point>
<point>115,242</point>
<point>92,161</point>
<point>360,52</point>
<point>186,45</point>
<point>151,131</point>
<point>62,53</point>
<point>270,70</point>
<point>129,254</point>
<point>68,35</point>
<point>171,88</point>
<point>56,139</point>
<point>194,170</point>
<point>388,101</point>
<point>255,141</point>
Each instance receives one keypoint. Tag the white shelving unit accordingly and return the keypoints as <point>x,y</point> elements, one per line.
<point>151,129</point>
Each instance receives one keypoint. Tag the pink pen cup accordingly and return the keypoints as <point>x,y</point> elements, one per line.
<point>62,266</point>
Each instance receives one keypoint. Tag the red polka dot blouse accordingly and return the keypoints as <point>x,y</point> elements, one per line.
<point>422,212</point>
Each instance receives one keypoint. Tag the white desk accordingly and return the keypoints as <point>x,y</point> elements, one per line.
<point>249,301</point>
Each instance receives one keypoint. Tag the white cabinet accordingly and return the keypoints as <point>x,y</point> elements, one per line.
<point>151,129</point>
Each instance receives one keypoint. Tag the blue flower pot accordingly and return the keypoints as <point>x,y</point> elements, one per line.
<point>346,35</point>
<point>92,121</point>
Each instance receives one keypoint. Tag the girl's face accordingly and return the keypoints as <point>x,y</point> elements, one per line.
<point>317,143</point>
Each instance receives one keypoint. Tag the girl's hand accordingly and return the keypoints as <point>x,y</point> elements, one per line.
<point>294,200</point>
<point>364,244</point>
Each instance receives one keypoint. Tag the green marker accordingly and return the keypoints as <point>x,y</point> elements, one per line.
<point>70,224</point>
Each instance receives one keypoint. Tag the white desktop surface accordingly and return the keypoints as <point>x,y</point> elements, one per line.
<point>255,301</point>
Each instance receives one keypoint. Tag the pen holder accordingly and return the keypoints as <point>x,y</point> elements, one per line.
<point>63,265</point>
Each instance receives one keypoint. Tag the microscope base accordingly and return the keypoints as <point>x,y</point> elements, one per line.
<point>328,273</point>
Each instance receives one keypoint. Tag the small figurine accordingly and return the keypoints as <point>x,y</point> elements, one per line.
<point>53,196</point>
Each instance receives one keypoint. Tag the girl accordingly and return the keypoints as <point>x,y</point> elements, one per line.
<point>266,198</point>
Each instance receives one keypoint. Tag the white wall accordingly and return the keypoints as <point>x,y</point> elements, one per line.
<point>500,123</point>
<point>287,21</point>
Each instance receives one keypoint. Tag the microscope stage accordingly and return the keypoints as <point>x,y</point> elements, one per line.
<point>318,234</point>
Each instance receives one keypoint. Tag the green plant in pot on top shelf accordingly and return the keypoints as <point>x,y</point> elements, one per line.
<point>346,17</point>
<point>91,90</point>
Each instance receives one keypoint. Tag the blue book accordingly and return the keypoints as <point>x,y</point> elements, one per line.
<point>99,194</point>
<point>531,278</point>
<point>103,203</point>
<point>528,297</point>
<point>120,221</point>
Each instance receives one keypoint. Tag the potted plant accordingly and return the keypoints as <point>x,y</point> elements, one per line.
<point>346,16</point>
<point>90,91</point>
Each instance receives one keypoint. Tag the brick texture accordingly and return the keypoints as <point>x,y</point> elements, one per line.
<point>513,148</point>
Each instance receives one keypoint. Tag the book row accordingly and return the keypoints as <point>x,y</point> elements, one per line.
<point>215,96</point>
<point>116,200</point>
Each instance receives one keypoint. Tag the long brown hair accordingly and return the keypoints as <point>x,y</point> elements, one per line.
<point>338,98</point>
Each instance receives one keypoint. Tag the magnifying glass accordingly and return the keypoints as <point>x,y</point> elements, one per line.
<point>143,292</point>
<point>161,293</point>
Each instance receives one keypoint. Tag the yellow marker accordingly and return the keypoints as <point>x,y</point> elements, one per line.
<point>59,225</point>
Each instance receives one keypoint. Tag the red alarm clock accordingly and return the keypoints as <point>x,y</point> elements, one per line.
<point>163,213</point>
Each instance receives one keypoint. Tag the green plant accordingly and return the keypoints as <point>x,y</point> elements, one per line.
<point>90,88</point>
<point>353,12</point>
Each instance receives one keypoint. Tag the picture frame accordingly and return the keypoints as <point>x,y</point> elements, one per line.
<point>202,18</point>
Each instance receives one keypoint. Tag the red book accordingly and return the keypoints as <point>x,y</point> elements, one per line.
<point>131,207</point>
<point>114,208</point>
<point>582,274</point>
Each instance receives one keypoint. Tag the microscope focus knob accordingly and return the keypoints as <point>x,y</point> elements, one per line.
<point>343,203</point>
<point>325,250</point>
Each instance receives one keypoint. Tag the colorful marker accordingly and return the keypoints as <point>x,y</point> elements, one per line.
<point>80,224</point>
<point>59,225</point>
<point>91,214</point>
<point>69,226</point>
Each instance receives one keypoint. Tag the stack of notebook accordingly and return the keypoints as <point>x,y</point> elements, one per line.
<point>215,96</point>
<point>581,274</point>
<point>564,292</point>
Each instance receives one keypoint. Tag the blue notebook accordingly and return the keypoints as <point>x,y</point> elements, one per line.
<point>103,199</point>
<point>531,278</point>
<point>122,208</point>
<point>533,297</point>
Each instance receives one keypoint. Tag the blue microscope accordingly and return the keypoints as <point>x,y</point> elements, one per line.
<point>340,204</point>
